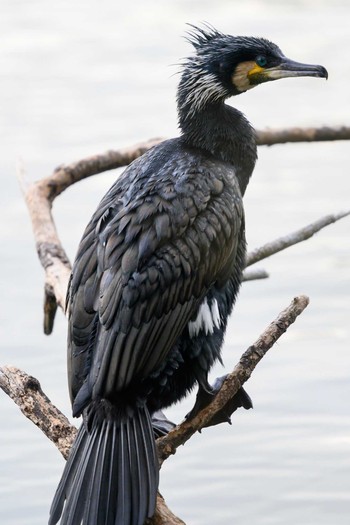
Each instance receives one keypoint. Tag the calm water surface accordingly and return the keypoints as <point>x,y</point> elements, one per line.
<point>78,78</point>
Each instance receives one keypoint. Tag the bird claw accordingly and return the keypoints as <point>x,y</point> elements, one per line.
<point>204,397</point>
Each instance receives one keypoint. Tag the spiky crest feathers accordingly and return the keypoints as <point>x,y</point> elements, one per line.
<point>200,36</point>
<point>207,38</point>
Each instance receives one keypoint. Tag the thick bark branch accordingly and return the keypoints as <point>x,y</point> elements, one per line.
<point>286,241</point>
<point>163,515</point>
<point>26,392</point>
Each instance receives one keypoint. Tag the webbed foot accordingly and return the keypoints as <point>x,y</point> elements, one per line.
<point>204,397</point>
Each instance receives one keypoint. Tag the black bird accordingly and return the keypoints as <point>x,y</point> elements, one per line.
<point>155,279</point>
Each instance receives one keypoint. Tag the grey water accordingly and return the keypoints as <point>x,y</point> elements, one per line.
<point>79,78</point>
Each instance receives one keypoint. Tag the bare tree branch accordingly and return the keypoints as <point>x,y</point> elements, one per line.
<point>39,198</point>
<point>286,241</point>
<point>40,195</point>
<point>163,515</point>
<point>26,392</point>
<point>254,274</point>
<point>168,444</point>
<point>51,254</point>
<point>68,174</point>
<point>270,137</point>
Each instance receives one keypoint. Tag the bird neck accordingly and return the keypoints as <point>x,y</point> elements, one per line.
<point>224,133</point>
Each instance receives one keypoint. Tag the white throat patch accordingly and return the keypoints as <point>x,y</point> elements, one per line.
<point>240,79</point>
<point>207,318</point>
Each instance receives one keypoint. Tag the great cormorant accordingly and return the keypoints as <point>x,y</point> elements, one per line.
<point>155,279</point>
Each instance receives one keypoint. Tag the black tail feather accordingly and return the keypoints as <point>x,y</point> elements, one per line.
<point>111,476</point>
<point>67,478</point>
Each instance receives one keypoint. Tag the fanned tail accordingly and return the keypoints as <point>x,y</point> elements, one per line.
<point>111,476</point>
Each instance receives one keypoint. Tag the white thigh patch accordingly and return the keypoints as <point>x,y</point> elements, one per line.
<point>207,318</point>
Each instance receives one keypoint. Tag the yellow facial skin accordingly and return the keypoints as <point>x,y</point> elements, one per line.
<point>247,75</point>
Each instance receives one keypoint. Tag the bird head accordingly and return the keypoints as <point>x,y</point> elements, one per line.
<point>226,65</point>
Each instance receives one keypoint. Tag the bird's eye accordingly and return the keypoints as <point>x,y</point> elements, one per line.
<point>261,60</point>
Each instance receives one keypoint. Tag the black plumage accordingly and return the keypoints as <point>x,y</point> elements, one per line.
<point>154,281</point>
